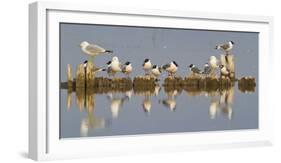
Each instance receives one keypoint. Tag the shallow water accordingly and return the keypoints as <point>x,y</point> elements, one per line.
<point>129,113</point>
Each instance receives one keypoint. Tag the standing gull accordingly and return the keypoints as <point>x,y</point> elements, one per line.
<point>213,62</point>
<point>85,63</point>
<point>115,65</point>
<point>156,71</point>
<point>93,50</point>
<point>96,69</point>
<point>194,69</point>
<point>108,69</point>
<point>147,65</point>
<point>207,69</point>
<point>171,68</point>
<point>225,47</point>
<point>224,71</point>
<point>127,68</point>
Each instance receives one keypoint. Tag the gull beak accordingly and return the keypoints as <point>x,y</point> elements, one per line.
<point>109,51</point>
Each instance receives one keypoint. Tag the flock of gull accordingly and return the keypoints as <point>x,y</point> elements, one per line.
<point>114,66</point>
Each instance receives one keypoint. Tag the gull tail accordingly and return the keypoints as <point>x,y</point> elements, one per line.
<point>164,67</point>
<point>98,70</point>
<point>109,51</point>
<point>217,47</point>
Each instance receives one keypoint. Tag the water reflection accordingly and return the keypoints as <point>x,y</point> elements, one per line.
<point>226,101</point>
<point>146,104</point>
<point>221,102</point>
<point>213,109</point>
<point>92,122</point>
<point>170,100</point>
<point>116,103</point>
<point>69,98</point>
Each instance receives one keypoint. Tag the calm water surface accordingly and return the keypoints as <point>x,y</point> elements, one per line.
<point>155,112</point>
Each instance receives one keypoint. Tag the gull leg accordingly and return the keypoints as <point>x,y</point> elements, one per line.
<point>113,75</point>
<point>91,59</point>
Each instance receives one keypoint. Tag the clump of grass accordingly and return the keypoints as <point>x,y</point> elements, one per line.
<point>247,84</point>
<point>173,82</point>
<point>144,81</point>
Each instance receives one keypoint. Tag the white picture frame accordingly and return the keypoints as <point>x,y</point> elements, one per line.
<point>44,142</point>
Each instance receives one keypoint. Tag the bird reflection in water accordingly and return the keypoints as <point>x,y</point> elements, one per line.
<point>85,99</point>
<point>92,122</point>
<point>213,109</point>
<point>146,105</point>
<point>128,94</point>
<point>221,102</point>
<point>147,93</point>
<point>226,102</point>
<point>170,101</point>
<point>157,90</point>
<point>116,103</point>
<point>69,99</point>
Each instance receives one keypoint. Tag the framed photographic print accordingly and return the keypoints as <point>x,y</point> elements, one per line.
<point>108,81</point>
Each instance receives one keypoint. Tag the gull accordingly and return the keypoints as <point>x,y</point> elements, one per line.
<point>85,63</point>
<point>115,65</point>
<point>194,69</point>
<point>147,65</point>
<point>207,69</point>
<point>108,63</point>
<point>171,68</point>
<point>225,47</point>
<point>213,62</point>
<point>96,69</point>
<point>93,50</point>
<point>127,68</point>
<point>156,71</point>
<point>108,69</point>
<point>224,71</point>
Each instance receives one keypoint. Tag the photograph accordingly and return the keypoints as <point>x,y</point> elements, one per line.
<point>120,80</point>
